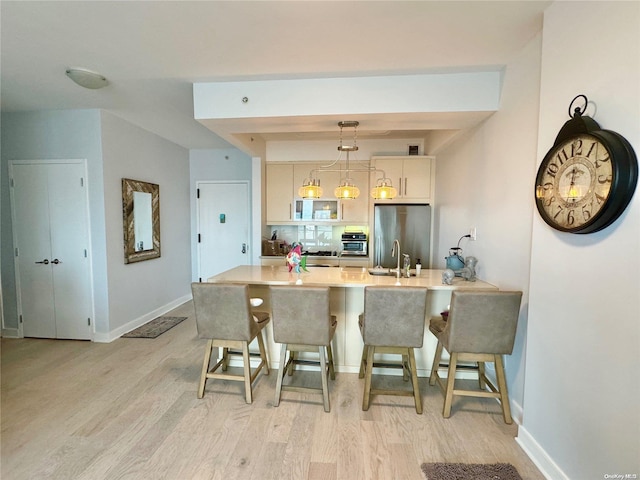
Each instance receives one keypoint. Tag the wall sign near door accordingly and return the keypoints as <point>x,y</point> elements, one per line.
<point>141,220</point>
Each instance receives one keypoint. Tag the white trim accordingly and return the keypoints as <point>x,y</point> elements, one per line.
<point>539,456</point>
<point>138,322</point>
<point>10,333</point>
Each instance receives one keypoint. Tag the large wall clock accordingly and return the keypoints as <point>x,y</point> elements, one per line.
<point>587,178</point>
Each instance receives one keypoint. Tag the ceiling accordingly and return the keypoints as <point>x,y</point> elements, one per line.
<point>153,52</point>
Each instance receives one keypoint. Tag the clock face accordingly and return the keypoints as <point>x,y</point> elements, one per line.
<point>574,183</point>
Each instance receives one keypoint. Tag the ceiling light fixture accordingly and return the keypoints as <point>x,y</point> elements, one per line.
<point>346,190</point>
<point>87,78</point>
<point>383,190</point>
<point>310,188</point>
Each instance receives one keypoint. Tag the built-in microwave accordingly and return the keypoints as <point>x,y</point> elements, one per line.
<point>354,244</point>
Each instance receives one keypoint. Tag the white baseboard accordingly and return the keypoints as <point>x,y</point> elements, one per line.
<point>516,411</point>
<point>10,333</point>
<point>539,456</point>
<point>138,322</point>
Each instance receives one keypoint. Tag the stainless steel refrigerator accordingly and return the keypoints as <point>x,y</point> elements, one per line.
<point>411,225</point>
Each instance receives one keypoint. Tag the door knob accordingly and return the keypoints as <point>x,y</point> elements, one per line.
<point>45,261</point>
<point>56,261</point>
<point>244,248</point>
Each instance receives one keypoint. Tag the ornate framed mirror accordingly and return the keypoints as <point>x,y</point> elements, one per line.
<point>141,220</point>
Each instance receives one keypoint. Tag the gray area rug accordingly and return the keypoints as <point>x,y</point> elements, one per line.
<point>470,471</point>
<point>154,328</point>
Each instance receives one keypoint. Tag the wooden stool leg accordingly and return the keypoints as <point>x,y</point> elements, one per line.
<point>292,363</point>
<point>205,368</point>
<point>481,377</point>
<point>406,367</point>
<point>435,365</point>
<point>414,381</point>
<point>325,383</point>
<point>225,359</point>
<point>451,378</point>
<point>332,369</point>
<point>282,373</point>
<point>363,362</point>
<point>263,354</point>
<point>367,378</point>
<point>247,372</point>
<point>502,386</point>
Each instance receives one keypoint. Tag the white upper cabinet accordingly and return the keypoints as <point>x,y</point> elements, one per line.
<point>413,176</point>
<point>357,210</point>
<point>284,205</point>
<point>279,192</point>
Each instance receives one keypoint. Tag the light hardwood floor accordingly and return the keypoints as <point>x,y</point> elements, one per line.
<point>128,410</point>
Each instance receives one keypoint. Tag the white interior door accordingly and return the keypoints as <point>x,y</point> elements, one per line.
<point>33,242</point>
<point>223,227</point>
<point>52,240</point>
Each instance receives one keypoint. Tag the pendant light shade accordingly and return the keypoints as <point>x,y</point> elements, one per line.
<point>310,188</point>
<point>346,190</point>
<point>384,190</point>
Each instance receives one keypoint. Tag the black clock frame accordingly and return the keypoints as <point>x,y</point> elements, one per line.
<point>624,171</point>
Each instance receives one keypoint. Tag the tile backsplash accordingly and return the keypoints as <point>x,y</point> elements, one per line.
<point>314,237</point>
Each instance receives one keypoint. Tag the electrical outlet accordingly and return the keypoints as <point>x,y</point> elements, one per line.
<point>472,233</point>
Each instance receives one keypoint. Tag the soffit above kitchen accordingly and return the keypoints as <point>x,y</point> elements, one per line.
<point>309,108</point>
<point>152,54</point>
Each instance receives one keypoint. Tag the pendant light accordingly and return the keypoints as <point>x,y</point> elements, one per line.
<point>384,190</point>
<point>310,188</point>
<point>347,190</point>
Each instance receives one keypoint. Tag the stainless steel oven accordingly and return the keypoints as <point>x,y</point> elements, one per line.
<point>354,244</point>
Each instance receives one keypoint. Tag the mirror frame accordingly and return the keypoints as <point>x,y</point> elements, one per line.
<point>128,187</point>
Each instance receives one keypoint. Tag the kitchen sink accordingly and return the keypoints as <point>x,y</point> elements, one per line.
<point>388,272</point>
<point>380,271</point>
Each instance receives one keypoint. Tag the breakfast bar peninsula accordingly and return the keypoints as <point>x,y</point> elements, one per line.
<point>347,302</point>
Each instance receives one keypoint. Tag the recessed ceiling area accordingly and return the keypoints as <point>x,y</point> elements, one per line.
<point>385,106</point>
<point>152,54</point>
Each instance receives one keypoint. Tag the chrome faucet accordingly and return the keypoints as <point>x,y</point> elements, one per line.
<point>395,252</point>
<point>406,266</point>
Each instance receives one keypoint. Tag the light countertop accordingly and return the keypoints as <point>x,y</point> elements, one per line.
<point>339,277</point>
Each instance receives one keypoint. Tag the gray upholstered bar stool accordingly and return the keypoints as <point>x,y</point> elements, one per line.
<point>224,317</point>
<point>481,327</point>
<point>393,322</point>
<point>302,322</point>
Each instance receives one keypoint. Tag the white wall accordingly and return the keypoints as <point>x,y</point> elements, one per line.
<point>55,135</point>
<point>485,180</point>
<point>113,149</point>
<point>582,387</point>
<point>140,291</point>
<point>216,165</point>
